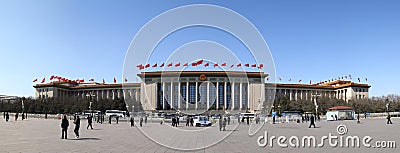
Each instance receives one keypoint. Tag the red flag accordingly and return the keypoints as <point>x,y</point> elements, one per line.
<point>34,80</point>
<point>126,80</point>
<point>81,81</point>
<point>232,66</point>
<point>147,65</point>
<point>247,64</point>
<point>194,64</point>
<point>239,65</point>
<point>205,65</point>
<point>52,77</point>
<point>140,65</point>
<point>169,65</point>
<point>261,66</point>
<point>199,62</point>
<point>300,80</point>
<point>115,80</point>
<point>44,79</point>
<point>224,64</point>
<point>179,64</point>
<point>254,65</point>
<point>91,79</point>
<point>155,65</point>
<point>162,65</point>
<point>186,64</point>
<point>104,82</point>
<point>216,64</point>
<point>290,79</point>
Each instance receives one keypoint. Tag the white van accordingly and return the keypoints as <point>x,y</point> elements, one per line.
<point>115,113</point>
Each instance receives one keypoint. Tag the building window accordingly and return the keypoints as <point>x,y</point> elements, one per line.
<point>221,95</point>
<point>192,93</point>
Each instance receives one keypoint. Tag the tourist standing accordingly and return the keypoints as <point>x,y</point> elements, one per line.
<point>64,127</point>
<point>7,117</point>
<point>191,121</point>
<point>109,119</point>
<point>229,120</point>
<point>187,121</point>
<point>145,119</point>
<point>312,121</point>
<point>238,119</point>
<point>224,124</point>
<point>4,115</point>
<point>177,121</point>
<point>117,119</point>
<point>16,116</point>
<point>77,123</point>
<point>248,120</point>
<point>220,123</point>
<point>358,118</point>
<point>173,121</point>
<point>89,119</point>
<point>132,121</point>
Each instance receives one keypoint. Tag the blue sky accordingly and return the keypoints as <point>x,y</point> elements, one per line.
<point>309,40</point>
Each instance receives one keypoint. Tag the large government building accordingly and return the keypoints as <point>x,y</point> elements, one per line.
<point>192,90</point>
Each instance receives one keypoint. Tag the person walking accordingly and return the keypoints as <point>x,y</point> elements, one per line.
<point>312,121</point>
<point>388,119</point>
<point>358,118</point>
<point>77,123</point>
<point>132,121</point>
<point>145,119</point>
<point>173,121</point>
<point>238,119</point>
<point>229,120</point>
<point>117,119</point>
<point>89,120</point>
<point>141,121</point>
<point>64,127</point>
<point>109,119</point>
<point>16,116</point>
<point>4,115</point>
<point>187,121</point>
<point>248,120</point>
<point>177,121</point>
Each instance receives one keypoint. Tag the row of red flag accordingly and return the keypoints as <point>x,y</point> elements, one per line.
<point>198,63</point>
<point>77,81</point>
<point>347,77</point>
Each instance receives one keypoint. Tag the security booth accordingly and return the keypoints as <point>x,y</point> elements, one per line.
<point>340,113</point>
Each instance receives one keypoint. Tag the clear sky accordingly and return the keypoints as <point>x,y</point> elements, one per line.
<point>309,40</point>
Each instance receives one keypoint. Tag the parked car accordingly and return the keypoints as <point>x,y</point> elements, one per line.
<point>201,121</point>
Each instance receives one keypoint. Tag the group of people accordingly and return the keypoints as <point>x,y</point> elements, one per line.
<point>6,116</point>
<point>175,121</point>
<point>189,121</point>
<point>65,125</point>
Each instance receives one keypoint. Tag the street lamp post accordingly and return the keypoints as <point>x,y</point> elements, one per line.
<point>90,103</point>
<point>315,102</point>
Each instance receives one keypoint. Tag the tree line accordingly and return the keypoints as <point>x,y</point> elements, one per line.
<point>68,105</point>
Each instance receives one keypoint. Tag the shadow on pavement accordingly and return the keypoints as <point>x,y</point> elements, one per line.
<point>86,139</point>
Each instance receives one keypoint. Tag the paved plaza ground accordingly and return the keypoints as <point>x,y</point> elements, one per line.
<point>43,135</point>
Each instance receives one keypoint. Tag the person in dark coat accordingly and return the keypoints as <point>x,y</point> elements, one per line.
<point>7,117</point>
<point>77,123</point>
<point>109,119</point>
<point>132,120</point>
<point>248,120</point>
<point>141,121</point>
<point>173,121</point>
<point>4,115</point>
<point>187,121</point>
<point>89,120</point>
<point>224,124</point>
<point>16,116</point>
<point>117,119</point>
<point>191,121</point>
<point>312,121</point>
<point>64,127</point>
<point>358,118</point>
<point>145,119</point>
<point>388,119</point>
